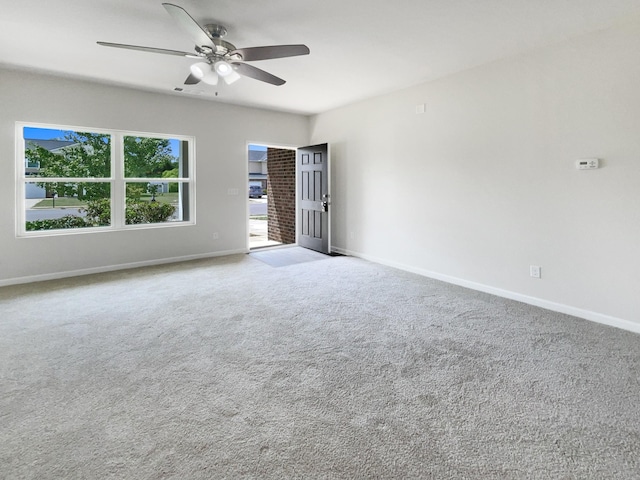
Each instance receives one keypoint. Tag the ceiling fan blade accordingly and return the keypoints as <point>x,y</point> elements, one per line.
<point>149,49</point>
<point>257,74</point>
<point>191,80</point>
<point>275,51</point>
<point>188,24</point>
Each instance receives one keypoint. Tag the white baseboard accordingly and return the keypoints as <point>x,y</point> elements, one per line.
<point>112,268</point>
<point>538,302</point>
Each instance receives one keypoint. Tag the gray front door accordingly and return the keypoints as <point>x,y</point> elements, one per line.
<point>313,197</point>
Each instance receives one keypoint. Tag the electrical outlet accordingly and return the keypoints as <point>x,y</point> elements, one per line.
<point>215,235</point>
<point>587,163</point>
<point>535,271</point>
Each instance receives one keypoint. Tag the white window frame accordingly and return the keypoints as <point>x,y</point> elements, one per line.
<point>117,181</point>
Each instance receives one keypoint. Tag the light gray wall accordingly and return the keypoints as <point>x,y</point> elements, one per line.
<point>222,134</point>
<point>483,184</point>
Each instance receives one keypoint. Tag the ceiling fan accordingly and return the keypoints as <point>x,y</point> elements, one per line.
<point>219,58</point>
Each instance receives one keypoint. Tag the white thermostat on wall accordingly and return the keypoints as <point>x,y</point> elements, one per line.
<point>587,163</point>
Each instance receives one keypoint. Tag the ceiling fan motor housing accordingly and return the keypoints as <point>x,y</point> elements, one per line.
<point>218,50</point>
<point>215,31</point>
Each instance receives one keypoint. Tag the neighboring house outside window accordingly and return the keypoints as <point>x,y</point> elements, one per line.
<point>74,180</point>
<point>257,167</point>
<point>32,168</point>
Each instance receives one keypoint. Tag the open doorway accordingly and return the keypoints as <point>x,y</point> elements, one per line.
<point>272,196</point>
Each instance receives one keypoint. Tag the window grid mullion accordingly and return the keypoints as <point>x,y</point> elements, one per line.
<point>117,184</point>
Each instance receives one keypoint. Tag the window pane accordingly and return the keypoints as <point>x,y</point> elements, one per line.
<point>146,157</point>
<point>154,202</point>
<point>73,179</point>
<point>53,206</point>
<point>66,153</point>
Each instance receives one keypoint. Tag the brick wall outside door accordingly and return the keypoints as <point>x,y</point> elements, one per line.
<point>281,194</point>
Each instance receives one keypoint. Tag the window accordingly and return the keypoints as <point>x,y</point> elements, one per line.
<point>75,180</point>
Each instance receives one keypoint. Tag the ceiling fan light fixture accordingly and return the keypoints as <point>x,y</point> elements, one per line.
<point>210,78</point>
<point>222,68</point>
<point>231,78</point>
<point>199,69</point>
<point>204,72</point>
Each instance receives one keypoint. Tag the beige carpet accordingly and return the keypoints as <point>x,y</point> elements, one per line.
<point>335,368</point>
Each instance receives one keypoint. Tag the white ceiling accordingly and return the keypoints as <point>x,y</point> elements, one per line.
<point>359,48</point>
